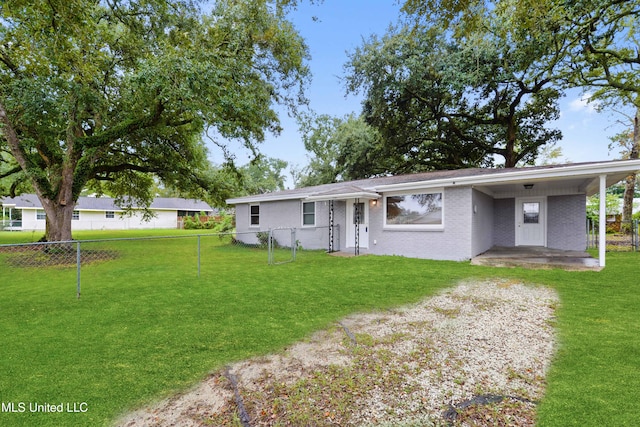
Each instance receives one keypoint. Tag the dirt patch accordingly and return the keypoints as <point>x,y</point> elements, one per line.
<point>474,355</point>
<point>62,255</point>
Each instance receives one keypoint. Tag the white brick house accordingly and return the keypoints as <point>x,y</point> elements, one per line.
<point>445,215</point>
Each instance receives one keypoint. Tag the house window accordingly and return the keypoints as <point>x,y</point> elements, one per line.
<point>254,215</point>
<point>110,214</point>
<point>531,212</point>
<point>41,215</point>
<point>419,210</point>
<point>309,214</point>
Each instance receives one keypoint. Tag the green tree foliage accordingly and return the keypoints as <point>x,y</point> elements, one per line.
<point>263,175</point>
<point>441,104</point>
<point>317,136</point>
<point>604,55</point>
<point>342,149</point>
<point>605,59</point>
<point>612,206</point>
<point>114,93</point>
<point>627,145</point>
<point>589,44</point>
<point>556,44</point>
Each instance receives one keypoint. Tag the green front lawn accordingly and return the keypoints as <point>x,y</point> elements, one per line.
<point>147,325</point>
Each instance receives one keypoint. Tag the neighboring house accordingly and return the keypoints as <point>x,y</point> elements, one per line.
<point>444,215</point>
<point>101,213</point>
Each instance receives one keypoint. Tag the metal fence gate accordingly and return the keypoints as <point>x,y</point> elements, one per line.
<point>282,245</point>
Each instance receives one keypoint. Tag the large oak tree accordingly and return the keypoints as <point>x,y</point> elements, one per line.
<point>112,93</point>
<point>588,44</point>
<point>606,59</point>
<point>442,103</point>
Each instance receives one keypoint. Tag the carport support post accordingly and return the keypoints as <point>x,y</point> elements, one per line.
<point>602,224</point>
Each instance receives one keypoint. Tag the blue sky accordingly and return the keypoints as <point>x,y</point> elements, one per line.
<point>341,27</point>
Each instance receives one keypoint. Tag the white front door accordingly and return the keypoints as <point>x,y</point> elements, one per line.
<point>531,221</point>
<point>357,212</point>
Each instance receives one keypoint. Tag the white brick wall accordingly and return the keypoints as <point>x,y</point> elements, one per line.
<point>482,235</point>
<point>451,243</point>
<point>465,233</point>
<point>566,222</point>
<point>504,222</point>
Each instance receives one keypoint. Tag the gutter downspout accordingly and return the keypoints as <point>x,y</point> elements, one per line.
<point>602,226</point>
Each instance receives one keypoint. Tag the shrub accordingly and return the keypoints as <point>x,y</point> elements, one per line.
<point>222,223</point>
<point>263,238</point>
<point>193,223</point>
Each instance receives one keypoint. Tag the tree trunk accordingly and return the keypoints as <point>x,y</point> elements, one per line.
<point>59,223</point>
<point>630,181</point>
<point>510,156</point>
<point>59,211</point>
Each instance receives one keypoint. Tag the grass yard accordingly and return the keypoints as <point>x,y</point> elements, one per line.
<point>147,325</point>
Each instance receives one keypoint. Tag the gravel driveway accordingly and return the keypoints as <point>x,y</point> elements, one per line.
<point>476,355</point>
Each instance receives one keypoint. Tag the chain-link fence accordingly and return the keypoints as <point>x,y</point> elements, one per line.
<point>282,245</point>
<point>621,235</point>
<point>168,257</point>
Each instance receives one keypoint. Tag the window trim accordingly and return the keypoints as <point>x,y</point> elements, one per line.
<point>414,227</point>
<point>251,215</point>
<point>303,213</point>
<point>42,216</point>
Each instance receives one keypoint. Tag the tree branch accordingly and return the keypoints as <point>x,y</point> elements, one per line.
<point>4,58</point>
<point>123,129</point>
<point>12,138</point>
<point>109,169</point>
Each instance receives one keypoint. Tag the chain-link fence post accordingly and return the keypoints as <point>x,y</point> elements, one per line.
<point>78,267</point>
<point>270,247</point>
<point>294,243</point>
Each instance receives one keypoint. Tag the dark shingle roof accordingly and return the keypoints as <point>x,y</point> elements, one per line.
<point>371,184</point>
<point>108,204</point>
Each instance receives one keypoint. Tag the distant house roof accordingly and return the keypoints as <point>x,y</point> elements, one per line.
<point>31,201</point>
<point>370,188</point>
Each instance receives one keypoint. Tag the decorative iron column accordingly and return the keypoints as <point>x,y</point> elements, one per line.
<point>331,247</point>
<point>356,220</point>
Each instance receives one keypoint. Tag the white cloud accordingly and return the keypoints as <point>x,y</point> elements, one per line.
<point>584,103</point>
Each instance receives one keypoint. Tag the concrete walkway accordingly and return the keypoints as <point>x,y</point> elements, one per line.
<point>536,257</point>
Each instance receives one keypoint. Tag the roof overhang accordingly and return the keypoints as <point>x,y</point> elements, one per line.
<point>365,195</point>
<point>587,174</point>
<point>583,178</point>
<point>269,197</point>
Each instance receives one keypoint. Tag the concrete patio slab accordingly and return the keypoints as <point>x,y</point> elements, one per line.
<point>537,258</point>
